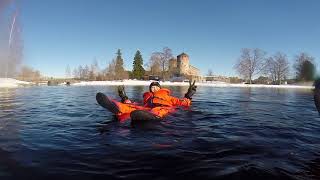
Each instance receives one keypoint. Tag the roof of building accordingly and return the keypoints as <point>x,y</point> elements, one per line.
<point>183,54</point>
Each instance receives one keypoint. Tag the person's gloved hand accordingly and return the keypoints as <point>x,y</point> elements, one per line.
<point>191,90</point>
<point>122,93</point>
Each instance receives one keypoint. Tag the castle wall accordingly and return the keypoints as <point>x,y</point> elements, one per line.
<point>181,67</point>
<point>193,71</point>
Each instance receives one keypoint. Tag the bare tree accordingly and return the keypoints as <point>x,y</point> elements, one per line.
<point>68,71</point>
<point>92,75</point>
<point>76,73</point>
<point>277,67</point>
<point>270,69</point>
<point>160,60</point>
<point>80,72</point>
<point>29,74</point>
<point>94,70</point>
<point>86,72</point>
<point>251,63</point>
<point>210,73</point>
<point>111,70</point>
<point>166,55</point>
<point>155,64</point>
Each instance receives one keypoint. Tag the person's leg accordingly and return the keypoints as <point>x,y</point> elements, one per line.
<point>128,108</point>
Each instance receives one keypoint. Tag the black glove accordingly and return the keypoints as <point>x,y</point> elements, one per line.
<point>191,90</point>
<point>122,93</point>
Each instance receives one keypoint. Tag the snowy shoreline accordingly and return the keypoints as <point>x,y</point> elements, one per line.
<point>168,83</point>
<point>12,83</point>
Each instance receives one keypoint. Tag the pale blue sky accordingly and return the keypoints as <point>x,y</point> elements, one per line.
<point>212,32</point>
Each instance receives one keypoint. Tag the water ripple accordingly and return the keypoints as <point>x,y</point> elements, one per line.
<point>228,133</point>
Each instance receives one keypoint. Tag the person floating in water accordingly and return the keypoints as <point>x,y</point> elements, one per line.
<point>158,99</point>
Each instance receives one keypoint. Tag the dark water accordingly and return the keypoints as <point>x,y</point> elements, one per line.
<point>229,133</point>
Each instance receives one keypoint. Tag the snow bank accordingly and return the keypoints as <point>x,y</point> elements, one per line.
<point>168,83</point>
<point>9,82</point>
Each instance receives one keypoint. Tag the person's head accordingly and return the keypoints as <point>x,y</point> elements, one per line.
<point>154,87</point>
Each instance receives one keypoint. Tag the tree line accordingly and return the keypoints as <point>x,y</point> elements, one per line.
<point>158,65</point>
<point>274,68</point>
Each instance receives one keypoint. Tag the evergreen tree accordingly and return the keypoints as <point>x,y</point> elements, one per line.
<point>305,67</point>
<point>119,70</point>
<point>138,70</point>
<point>307,72</point>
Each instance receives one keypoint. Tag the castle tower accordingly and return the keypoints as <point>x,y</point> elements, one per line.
<point>183,64</point>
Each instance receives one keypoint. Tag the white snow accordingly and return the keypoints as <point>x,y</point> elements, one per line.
<point>168,83</point>
<point>9,82</point>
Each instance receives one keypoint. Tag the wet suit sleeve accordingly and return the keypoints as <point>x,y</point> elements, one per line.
<point>146,97</point>
<point>180,102</point>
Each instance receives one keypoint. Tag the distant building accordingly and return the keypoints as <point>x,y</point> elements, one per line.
<point>217,78</point>
<point>155,78</point>
<point>181,67</point>
<point>147,76</point>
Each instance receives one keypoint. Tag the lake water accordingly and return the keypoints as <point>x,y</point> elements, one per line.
<point>228,133</point>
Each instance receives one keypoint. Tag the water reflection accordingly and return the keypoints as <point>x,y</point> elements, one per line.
<point>178,91</point>
<point>9,125</point>
<point>7,99</point>
<point>137,93</point>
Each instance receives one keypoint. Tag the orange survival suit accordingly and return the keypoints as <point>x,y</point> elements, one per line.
<point>159,103</point>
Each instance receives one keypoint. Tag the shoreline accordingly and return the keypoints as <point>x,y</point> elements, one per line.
<point>13,83</point>
<point>203,84</point>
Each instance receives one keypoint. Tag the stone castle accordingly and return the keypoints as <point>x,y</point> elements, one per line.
<point>181,67</point>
